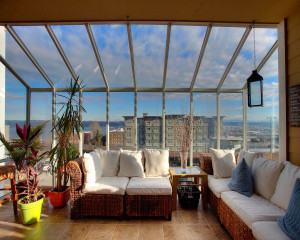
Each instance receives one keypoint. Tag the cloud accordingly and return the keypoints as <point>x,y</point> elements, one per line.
<point>12,96</point>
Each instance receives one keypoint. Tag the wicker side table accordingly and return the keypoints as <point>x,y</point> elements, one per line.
<point>8,172</point>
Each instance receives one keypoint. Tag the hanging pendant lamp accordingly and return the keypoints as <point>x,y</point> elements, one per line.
<point>254,83</point>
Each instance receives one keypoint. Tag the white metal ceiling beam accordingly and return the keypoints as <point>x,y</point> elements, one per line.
<point>166,56</point>
<point>29,54</point>
<point>97,54</point>
<point>234,56</point>
<point>15,73</point>
<point>201,54</point>
<point>265,59</point>
<point>131,54</point>
<point>61,51</point>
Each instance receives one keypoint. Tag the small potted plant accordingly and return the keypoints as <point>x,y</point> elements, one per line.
<point>25,152</point>
<point>67,124</point>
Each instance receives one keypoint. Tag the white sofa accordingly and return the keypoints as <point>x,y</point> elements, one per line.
<point>118,183</point>
<point>255,217</point>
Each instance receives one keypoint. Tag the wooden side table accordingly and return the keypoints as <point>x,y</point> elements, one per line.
<point>191,172</point>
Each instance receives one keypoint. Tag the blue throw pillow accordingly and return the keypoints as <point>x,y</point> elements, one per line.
<point>241,179</point>
<point>290,223</point>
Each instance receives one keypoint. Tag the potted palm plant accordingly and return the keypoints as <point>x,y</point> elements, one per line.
<point>25,153</point>
<point>68,122</point>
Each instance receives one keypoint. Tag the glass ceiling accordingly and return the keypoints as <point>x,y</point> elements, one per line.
<point>149,43</point>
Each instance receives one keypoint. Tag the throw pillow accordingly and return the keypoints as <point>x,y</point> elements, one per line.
<point>290,223</point>
<point>248,156</point>
<point>285,184</point>
<point>92,167</point>
<point>241,179</point>
<point>131,164</point>
<point>223,161</point>
<point>110,162</point>
<point>265,176</point>
<point>157,162</point>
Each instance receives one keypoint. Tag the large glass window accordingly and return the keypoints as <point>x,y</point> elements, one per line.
<point>231,114</point>
<point>121,123</point>
<point>94,121</point>
<point>149,44</point>
<point>263,122</point>
<point>149,111</point>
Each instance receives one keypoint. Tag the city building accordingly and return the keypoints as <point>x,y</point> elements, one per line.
<point>87,137</point>
<point>117,137</point>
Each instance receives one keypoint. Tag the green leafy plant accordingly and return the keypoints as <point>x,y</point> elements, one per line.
<point>68,122</point>
<point>25,153</point>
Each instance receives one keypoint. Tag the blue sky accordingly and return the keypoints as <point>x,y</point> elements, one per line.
<point>149,52</point>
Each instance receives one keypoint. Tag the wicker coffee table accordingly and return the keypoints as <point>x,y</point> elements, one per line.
<point>191,172</point>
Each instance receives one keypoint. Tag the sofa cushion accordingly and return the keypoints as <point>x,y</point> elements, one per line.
<point>290,223</point>
<point>268,231</point>
<point>131,164</point>
<point>248,156</point>
<point>265,176</point>
<point>157,162</point>
<point>223,161</point>
<point>92,167</point>
<point>252,209</point>
<point>107,185</point>
<point>149,186</point>
<point>285,184</point>
<point>241,179</point>
<point>218,185</point>
<point>110,162</point>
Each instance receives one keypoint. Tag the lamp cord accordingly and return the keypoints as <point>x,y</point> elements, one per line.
<point>254,56</point>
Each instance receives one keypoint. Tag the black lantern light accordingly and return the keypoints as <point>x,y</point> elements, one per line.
<point>254,84</point>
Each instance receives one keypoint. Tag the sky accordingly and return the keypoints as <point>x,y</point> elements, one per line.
<point>149,42</point>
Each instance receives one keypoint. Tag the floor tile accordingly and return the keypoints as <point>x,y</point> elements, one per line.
<point>150,232</point>
<point>101,231</point>
<point>126,232</point>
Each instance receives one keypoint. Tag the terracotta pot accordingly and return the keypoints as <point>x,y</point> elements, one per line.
<point>59,199</point>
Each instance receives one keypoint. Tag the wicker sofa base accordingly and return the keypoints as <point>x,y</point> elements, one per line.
<point>234,225</point>
<point>214,202</point>
<point>102,205</point>
<point>149,205</point>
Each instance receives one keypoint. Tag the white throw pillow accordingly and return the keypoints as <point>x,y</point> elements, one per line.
<point>110,162</point>
<point>285,185</point>
<point>249,157</point>
<point>223,161</point>
<point>92,167</point>
<point>157,162</point>
<point>131,164</point>
<point>265,176</point>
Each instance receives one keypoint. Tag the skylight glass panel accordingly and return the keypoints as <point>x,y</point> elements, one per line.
<point>113,47</point>
<point>149,44</point>
<point>184,49</point>
<point>220,47</point>
<point>78,48</point>
<point>43,49</point>
<point>243,66</point>
<point>16,58</point>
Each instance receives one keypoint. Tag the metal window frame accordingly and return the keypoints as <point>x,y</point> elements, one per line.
<point>135,89</point>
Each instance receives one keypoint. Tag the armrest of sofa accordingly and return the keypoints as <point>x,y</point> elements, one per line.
<point>206,163</point>
<point>74,169</point>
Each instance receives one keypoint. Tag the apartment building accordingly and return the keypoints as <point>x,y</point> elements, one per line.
<point>117,137</point>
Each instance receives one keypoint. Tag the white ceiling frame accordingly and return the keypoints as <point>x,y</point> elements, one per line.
<point>29,54</point>
<point>6,64</point>
<point>97,54</point>
<point>166,56</point>
<point>131,54</point>
<point>234,56</point>
<point>265,59</point>
<point>201,54</point>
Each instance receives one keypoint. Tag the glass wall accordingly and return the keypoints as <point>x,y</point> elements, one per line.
<point>263,122</point>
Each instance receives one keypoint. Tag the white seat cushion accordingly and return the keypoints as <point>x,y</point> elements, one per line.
<point>107,185</point>
<point>149,186</point>
<point>285,185</point>
<point>252,209</point>
<point>268,231</point>
<point>218,185</point>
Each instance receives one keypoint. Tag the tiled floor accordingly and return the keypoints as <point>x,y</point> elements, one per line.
<point>56,224</point>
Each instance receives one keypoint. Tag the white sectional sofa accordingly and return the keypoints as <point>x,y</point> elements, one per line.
<point>254,217</point>
<point>115,183</point>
